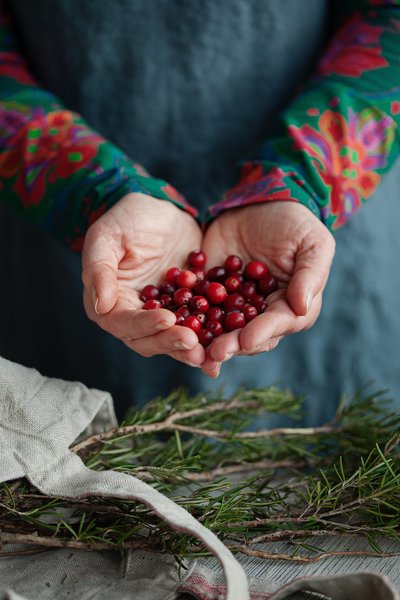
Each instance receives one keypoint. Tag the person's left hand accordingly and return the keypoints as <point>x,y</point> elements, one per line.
<point>297,248</point>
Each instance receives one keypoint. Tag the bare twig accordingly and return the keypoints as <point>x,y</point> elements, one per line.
<point>171,424</point>
<point>307,559</point>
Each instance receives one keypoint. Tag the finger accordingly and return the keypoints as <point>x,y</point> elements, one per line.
<point>278,320</point>
<point>165,342</point>
<point>269,345</point>
<point>100,259</point>
<point>210,366</point>
<point>311,270</point>
<point>135,324</point>
<point>224,347</point>
<point>193,357</point>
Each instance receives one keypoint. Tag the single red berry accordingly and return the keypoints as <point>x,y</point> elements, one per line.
<point>199,303</point>
<point>167,288</point>
<point>200,316</point>
<point>186,279</point>
<point>216,292</point>
<point>215,313</point>
<point>237,274</point>
<point>215,327</point>
<point>216,274</point>
<point>182,296</point>
<point>234,301</point>
<point>205,337</point>
<point>232,283</point>
<point>259,302</point>
<point>171,274</point>
<point>201,287</point>
<point>234,320</point>
<point>197,258</point>
<point>151,304</point>
<point>181,314</point>
<point>255,269</point>
<point>199,272</point>
<point>233,263</point>
<point>249,312</point>
<point>248,289</point>
<point>192,322</point>
<point>268,284</point>
<point>165,300</point>
<point>149,292</point>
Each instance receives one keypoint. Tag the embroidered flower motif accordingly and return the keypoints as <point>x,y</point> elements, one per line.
<point>47,149</point>
<point>254,186</point>
<point>355,50</point>
<point>347,154</point>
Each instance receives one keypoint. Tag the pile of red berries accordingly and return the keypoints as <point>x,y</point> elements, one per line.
<point>212,302</point>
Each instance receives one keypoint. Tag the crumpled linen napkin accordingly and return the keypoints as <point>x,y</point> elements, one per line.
<point>39,419</point>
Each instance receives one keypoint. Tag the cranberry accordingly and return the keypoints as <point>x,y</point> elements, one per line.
<point>171,274</point>
<point>182,296</point>
<point>200,316</point>
<point>201,287</point>
<point>248,289</point>
<point>167,288</point>
<point>215,313</point>
<point>234,320</point>
<point>232,283</point>
<point>233,263</point>
<point>199,303</point>
<point>238,275</point>
<point>199,272</point>
<point>216,292</point>
<point>205,337</point>
<point>215,327</point>
<point>259,302</point>
<point>151,304</point>
<point>181,314</point>
<point>165,300</point>
<point>234,301</point>
<point>249,312</point>
<point>197,258</point>
<point>216,274</point>
<point>192,322</point>
<point>268,284</point>
<point>149,292</point>
<point>255,269</point>
<point>186,279</point>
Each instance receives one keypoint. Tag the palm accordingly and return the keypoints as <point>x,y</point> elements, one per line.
<point>252,234</point>
<point>130,246</point>
<point>297,249</point>
<point>158,237</point>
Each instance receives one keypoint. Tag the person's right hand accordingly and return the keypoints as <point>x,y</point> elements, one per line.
<point>131,245</point>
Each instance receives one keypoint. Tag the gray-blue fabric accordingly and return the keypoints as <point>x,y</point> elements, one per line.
<point>187,88</point>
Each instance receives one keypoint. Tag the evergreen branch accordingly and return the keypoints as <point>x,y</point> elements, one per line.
<point>345,478</point>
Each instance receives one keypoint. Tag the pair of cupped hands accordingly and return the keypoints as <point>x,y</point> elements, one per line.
<point>138,239</point>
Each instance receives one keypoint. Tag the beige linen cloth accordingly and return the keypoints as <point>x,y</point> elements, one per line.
<point>39,419</point>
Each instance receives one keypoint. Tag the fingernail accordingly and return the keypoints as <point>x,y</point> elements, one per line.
<point>182,346</point>
<point>95,301</point>
<point>309,299</point>
<point>190,364</point>
<point>227,357</point>
<point>162,325</point>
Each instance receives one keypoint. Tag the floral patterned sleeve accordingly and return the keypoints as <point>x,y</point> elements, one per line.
<point>54,169</point>
<point>342,132</point>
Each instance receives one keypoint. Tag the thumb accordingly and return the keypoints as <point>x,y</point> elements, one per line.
<point>311,270</point>
<point>99,271</point>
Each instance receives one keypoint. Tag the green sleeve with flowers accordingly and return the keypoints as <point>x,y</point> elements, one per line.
<point>54,169</point>
<point>341,133</point>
